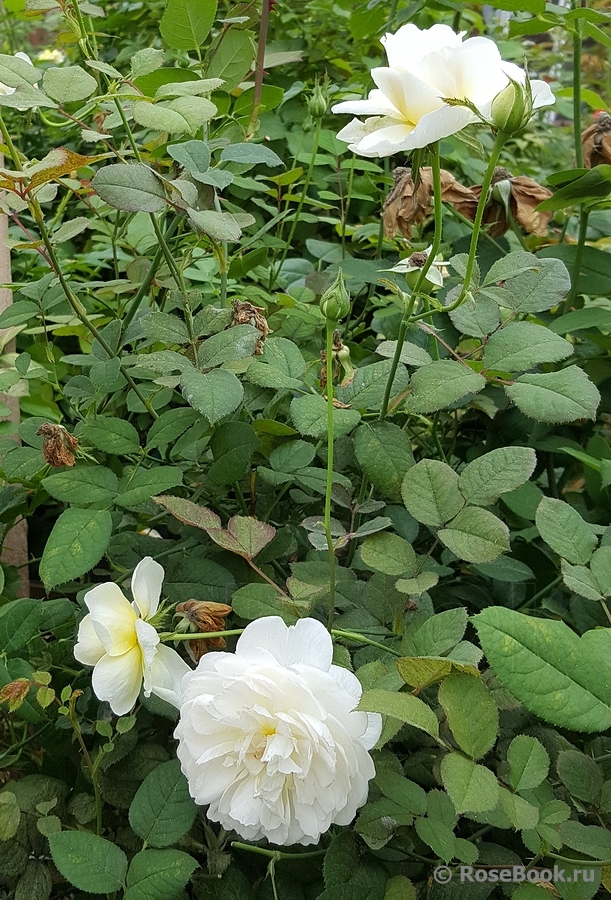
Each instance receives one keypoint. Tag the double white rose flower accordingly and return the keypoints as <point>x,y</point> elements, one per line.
<point>117,639</point>
<point>269,736</point>
<point>425,67</point>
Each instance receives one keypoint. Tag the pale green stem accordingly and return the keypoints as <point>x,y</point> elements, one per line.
<point>329,486</point>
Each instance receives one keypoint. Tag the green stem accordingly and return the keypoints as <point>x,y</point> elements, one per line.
<point>584,216</point>
<point>259,69</point>
<point>276,854</point>
<point>304,191</point>
<point>88,762</point>
<point>407,316</point>
<point>549,587</point>
<point>148,278</point>
<point>193,636</point>
<point>361,639</point>
<point>329,486</point>
<point>577,46</point>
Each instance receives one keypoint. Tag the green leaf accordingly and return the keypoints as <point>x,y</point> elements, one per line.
<point>190,513</point>
<point>442,383</point>
<point>471,712</point>
<point>188,89</point>
<point>143,62</point>
<point>580,319</point>
<point>162,810</point>
<point>233,58</point>
<point>10,815</point>
<point>555,397</point>
<point>26,97</point>
<point>111,435</point>
<point>194,156</point>
<point>405,707</point>
<point>536,7</point>
<point>580,775</point>
<point>384,453</point>
<point>19,621</point>
<point>83,485</point>
<point>309,415</point>
<point>478,317</point>
<point>404,792</point>
<point>472,788</point>
<point>594,185</point>
<point>528,763</point>
<point>185,24</point>
<point>148,482</point>
<point>15,71</point>
<point>90,863</point>
<point>238,342</point>
<point>388,553</point>
<point>523,345</point>
<point>164,327</point>
<point>250,153</point>
<point>367,388</point>
<point>430,492</point>
<point>279,367</point>
<point>563,529</point>
<point>18,312</point>
<point>594,277</point>
<point>184,115</point>
<point>220,226</point>
<point>564,679</point>
<point>590,840</point>
<point>70,229</point>
<point>580,580</point>
<point>130,186</point>
<point>76,544</point>
<point>520,812</point>
<point>484,479</point>
<point>158,874</point>
<point>215,394</point>
<point>600,565</point>
<point>438,633</point>
<point>68,84</point>
<point>411,354</point>
<point>253,601</point>
<point>170,425</point>
<point>532,284</point>
<point>476,535</point>
<point>244,535</point>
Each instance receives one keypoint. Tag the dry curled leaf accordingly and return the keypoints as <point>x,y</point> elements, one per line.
<point>524,197</point>
<point>58,445</point>
<point>409,203</point>
<point>596,142</point>
<point>244,313</point>
<point>201,616</point>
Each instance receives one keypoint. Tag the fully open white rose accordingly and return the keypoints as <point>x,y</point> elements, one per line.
<point>123,647</point>
<point>269,736</point>
<point>425,67</point>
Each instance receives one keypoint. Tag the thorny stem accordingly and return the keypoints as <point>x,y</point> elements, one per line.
<point>407,316</point>
<point>259,70</point>
<point>276,854</point>
<point>88,761</point>
<point>584,216</point>
<point>329,485</point>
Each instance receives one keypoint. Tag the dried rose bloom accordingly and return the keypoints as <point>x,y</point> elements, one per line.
<point>58,445</point>
<point>524,195</point>
<point>201,616</point>
<point>596,142</point>
<point>409,203</point>
<point>244,313</point>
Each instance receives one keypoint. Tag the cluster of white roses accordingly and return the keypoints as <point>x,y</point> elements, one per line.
<point>425,69</point>
<point>269,736</point>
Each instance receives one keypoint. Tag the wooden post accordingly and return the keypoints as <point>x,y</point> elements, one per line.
<point>15,547</point>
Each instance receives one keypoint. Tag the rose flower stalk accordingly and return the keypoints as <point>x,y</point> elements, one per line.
<point>118,640</point>
<point>270,738</point>
<point>426,68</point>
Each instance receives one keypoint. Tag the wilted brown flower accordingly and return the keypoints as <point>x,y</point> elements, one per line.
<point>596,141</point>
<point>58,445</point>
<point>201,616</point>
<point>244,313</point>
<point>409,203</point>
<point>524,195</point>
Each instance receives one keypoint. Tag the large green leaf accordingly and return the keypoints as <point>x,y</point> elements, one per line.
<point>471,712</point>
<point>184,115</point>
<point>440,384</point>
<point>476,535</point>
<point>76,544</point>
<point>385,454</point>
<point>68,84</point>
<point>472,788</point>
<point>564,679</point>
<point>253,601</point>
<point>233,58</point>
<point>310,414</point>
<point>83,485</point>
<point>388,553</point>
<point>215,394</point>
<point>430,492</point>
<point>555,397</point>
<point>110,435</point>
<point>148,482</point>
<point>131,186</point>
<point>405,707</point>
<point>523,345</point>
<point>528,763</point>
<point>235,343</point>
<point>484,479</point>
<point>90,863</point>
<point>565,531</point>
<point>185,24</point>
<point>162,810</point>
<point>15,71</point>
<point>158,874</point>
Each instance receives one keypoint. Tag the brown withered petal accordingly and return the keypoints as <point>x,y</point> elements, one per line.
<point>409,203</point>
<point>244,313</point>
<point>204,615</point>
<point>525,195</point>
<point>596,142</point>
<point>58,445</point>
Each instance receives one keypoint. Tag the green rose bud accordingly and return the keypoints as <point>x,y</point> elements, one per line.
<point>335,302</point>
<point>512,107</point>
<point>317,104</point>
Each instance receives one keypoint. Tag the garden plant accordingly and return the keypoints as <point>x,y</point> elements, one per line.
<point>305,450</point>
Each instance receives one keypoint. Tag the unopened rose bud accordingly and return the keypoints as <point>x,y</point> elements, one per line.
<point>335,302</point>
<point>512,107</point>
<point>317,104</point>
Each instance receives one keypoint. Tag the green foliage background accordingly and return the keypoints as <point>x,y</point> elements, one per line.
<point>469,516</point>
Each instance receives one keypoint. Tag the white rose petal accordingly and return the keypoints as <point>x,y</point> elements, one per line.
<point>426,67</point>
<point>124,648</point>
<point>269,737</point>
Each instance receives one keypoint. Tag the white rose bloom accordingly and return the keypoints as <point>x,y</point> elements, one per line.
<point>123,647</point>
<point>425,67</point>
<point>5,90</point>
<point>269,736</point>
